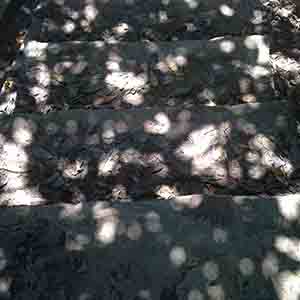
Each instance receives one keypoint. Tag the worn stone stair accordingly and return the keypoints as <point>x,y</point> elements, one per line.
<point>144,156</point>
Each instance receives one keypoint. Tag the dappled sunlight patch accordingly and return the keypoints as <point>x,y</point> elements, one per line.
<point>210,271</point>
<point>198,142</point>
<point>5,286</point>
<point>216,292</point>
<point>23,131</point>
<point>15,181</point>
<point>134,231</point>
<point>289,207</point>
<point>24,197</point>
<point>270,265</point>
<point>287,285</point>
<point>260,44</point>
<point>134,99</point>
<point>226,10</point>
<point>108,132</point>
<point>246,266</point>
<point>166,191</point>
<point>40,94</point>
<point>77,242</point>
<point>144,295</point>
<point>258,16</point>
<point>3,260</point>
<point>188,201</point>
<point>204,148</point>
<point>119,192</point>
<point>42,75</point>
<point>15,156</point>
<point>90,12</point>
<point>207,95</point>
<point>75,169</point>
<point>172,63</point>
<point>163,16</point>
<point>220,235</point>
<point>113,66</point>
<point>69,27</point>
<point>108,163</point>
<point>248,98</point>
<point>227,46</point>
<point>107,230</point>
<point>160,124</point>
<point>73,212</point>
<point>269,159</point>
<point>85,296</point>
<point>195,294</point>
<point>60,68</point>
<point>121,29</point>
<point>257,172</point>
<point>108,223</point>
<point>178,256</point>
<point>289,246</point>
<point>153,222</point>
<point>126,80</point>
<point>193,4</point>
<point>8,101</point>
<point>258,72</point>
<point>35,49</point>
<point>252,157</point>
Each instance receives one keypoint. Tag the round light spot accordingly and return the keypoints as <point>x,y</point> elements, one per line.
<point>178,256</point>
<point>195,295</point>
<point>227,46</point>
<point>210,271</point>
<point>226,10</point>
<point>246,266</point>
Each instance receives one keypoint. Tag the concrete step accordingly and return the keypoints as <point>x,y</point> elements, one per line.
<point>219,248</point>
<point>227,70</point>
<point>80,155</point>
<point>155,20</point>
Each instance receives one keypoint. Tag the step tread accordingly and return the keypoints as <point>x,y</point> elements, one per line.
<point>227,70</point>
<point>99,250</point>
<point>71,20</point>
<point>80,155</point>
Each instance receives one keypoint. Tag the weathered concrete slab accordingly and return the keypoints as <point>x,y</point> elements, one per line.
<point>223,248</point>
<point>81,155</point>
<point>154,20</point>
<point>185,74</point>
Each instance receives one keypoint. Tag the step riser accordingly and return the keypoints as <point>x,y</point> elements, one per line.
<point>222,71</point>
<point>143,151</point>
<point>77,20</point>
